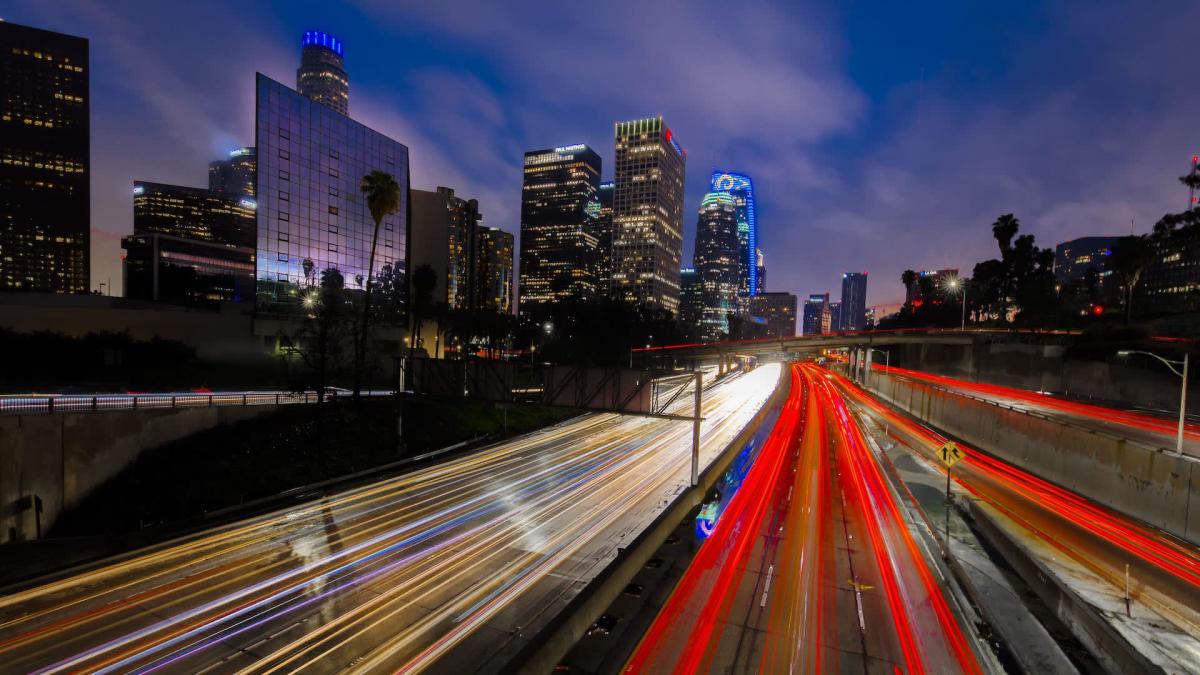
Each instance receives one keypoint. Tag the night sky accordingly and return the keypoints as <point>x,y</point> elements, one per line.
<point>880,135</point>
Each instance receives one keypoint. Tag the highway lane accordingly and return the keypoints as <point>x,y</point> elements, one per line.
<point>812,568</point>
<point>446,569</point>
<point>1146,428</point>
<point>1164,571</point>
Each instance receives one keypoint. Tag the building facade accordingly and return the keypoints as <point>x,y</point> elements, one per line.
<point>193,213</point>
<point>45,202</point>
<point>647,213</point>
<point>236,175</point>
<point>1172,279</point>
<point>817,315</point>
<point>181,271</point>
<point>778,310</point>
<point>854,302</point>
<point>741,187</point>
<point>560,229</point>
<point>717,263</point>
<point>311,215</point>
<point>605,229</point>
<point>321,76</point>
<point>495,270</point>
<point>691,302</point>
<point>1073,259</point>
<point>835,316</point>
<point>461,241</point>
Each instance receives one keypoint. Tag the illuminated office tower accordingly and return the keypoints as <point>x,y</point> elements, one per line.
<point>605,225</point>
<point>560,212</point>
<point>716,262</point>
<point>741,188</point>
<point>45,221</point>
<point>779,312</point>
<point>817,314</point>
<point>235,175</point>
<point>495,270</point>
<point>854,302</point>
<point>647,213</point>
<point>691,302</point>
<point>320,75</point>
<point>311,213</point>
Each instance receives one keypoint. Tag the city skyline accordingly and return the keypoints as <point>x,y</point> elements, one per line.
<point>197,100</point>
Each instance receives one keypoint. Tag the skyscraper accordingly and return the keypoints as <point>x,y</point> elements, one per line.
<point>193,213</point>
<point>495,275</point>
<point>817,314</point>
<point>560,238</point>
<point>320,75</point>
<point>779,312</point>
<point>235,175</point>
<point>691,302</point>
<point>647,213</point>
<point>854,302</point>
<point>716,262</point>
<point>45,221</point>
<point>605,229</point>
<point>835,316</point>
<point>311,214</point>
<point>741,188</point>
<point>463,223</point>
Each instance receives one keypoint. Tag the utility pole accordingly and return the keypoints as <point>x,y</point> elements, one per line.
<point>696,431</point>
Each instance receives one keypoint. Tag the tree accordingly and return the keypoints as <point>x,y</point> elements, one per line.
<point>908,278</point>
<point>320,339</point>
<point>424,281</point>
<point>383,198</point>
<point>1127,261</point>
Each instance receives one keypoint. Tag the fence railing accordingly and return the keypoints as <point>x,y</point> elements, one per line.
<point>51,404</point>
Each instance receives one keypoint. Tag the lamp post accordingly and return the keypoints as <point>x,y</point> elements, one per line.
<point>887,359</point>
<point>959,286</point>
<point>1182,392</point>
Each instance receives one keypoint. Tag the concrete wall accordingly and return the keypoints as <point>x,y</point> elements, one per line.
<point>62,458</point>
<point>1146,483</point>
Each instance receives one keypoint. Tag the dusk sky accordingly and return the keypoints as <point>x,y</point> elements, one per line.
<point>880,135</point>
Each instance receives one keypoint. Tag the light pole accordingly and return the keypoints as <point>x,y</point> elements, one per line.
<point>887,359</point>
<point>1182,392</point>
<point>959,286</point>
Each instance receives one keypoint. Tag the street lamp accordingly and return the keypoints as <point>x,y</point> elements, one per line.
<point>887,359</point>
<point>1182,391</point>
<point>959,286</point>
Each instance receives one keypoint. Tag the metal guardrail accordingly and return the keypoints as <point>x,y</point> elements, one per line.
<point>52,403</point>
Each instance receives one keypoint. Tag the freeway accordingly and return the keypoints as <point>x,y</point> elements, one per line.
<point>1145,428</point>
<point>1073,531</point>
<point>447,569</point>
<point>812,567</point>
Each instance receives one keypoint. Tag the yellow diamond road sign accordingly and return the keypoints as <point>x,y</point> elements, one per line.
<point>950,454</point>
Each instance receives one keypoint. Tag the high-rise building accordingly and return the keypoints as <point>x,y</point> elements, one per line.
<point>235,175</point>
<point>716,261</point>
<point>1172,278</point>
<point>647,213</point>
<point>311,213</point>
<point>835,316</point>
<point>854,302</point>
<point>691,302</point>
<point>761,279</point>
<point>193,213</point>
<point>495,265</point>
<point>605,229</point>
<point>1075,259</point>
<point>321,76</point>
<point>45,221</point>
<point>560,238</point>
<point>741,188</point>
<point>462,247</point>
<point>778,310</point>
<point>817,316</point>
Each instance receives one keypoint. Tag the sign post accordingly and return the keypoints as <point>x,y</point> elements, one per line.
<point>949,454</point>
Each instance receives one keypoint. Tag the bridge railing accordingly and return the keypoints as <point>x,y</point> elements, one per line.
<point>51,403</point>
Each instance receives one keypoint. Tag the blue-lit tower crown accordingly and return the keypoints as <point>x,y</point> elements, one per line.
<point>320,75</point>
<point>741,187</point>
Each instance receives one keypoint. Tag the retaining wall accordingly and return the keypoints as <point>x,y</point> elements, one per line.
<point>1147,483</point>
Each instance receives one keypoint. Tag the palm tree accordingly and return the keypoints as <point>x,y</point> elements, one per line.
<point>908,278</point>
<point>383,198</point>
<point>1128,260</point>
<point>1004,229</point>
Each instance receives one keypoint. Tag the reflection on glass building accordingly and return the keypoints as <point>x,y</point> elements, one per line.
<point>717,263</point>
<point>235,175</point>
<point>741,188</point>
<point>311,160</point>
<point>45,221</point>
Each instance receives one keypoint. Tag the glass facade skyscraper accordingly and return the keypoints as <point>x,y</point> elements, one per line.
<point>321,76</point>
<point>691,302</point>
<point>45,204</point>
<point>495,270</point>
<point>854,302</point>
<point>741,187</point>
<point>647,213</point>
<point>605,224</point>
<point>817,314</point>
<point>235,175</point>
<point>560,213</point>
<point>311,160</point>
<point>716,262</point>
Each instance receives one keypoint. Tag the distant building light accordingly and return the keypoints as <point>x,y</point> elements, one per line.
<point>570,148</point>
<point>240,152</point>
<point>138,189</point>
<point>249,203</point>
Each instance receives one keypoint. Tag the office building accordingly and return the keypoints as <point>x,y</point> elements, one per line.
<point>691,302</point>
<point>560,231</point>
<point>461,242</point>
<point>741,188</point>
<point>1073,259</point>
<point>45,204</point>
<point>647,213</point>
<point>854,302</point>
<point>717,263</point>
<point>817,316</point>
<point>778,310</point>
<point>495,275</point>
<point>321,76</point>
<point>311,213</point>
<point>193,213</point>
<point>761,278</point>
<point>1171,282</point>
<point>934,280</point>
<point>605,229</point>
<point>835,316</point>
<point>236,175</point>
